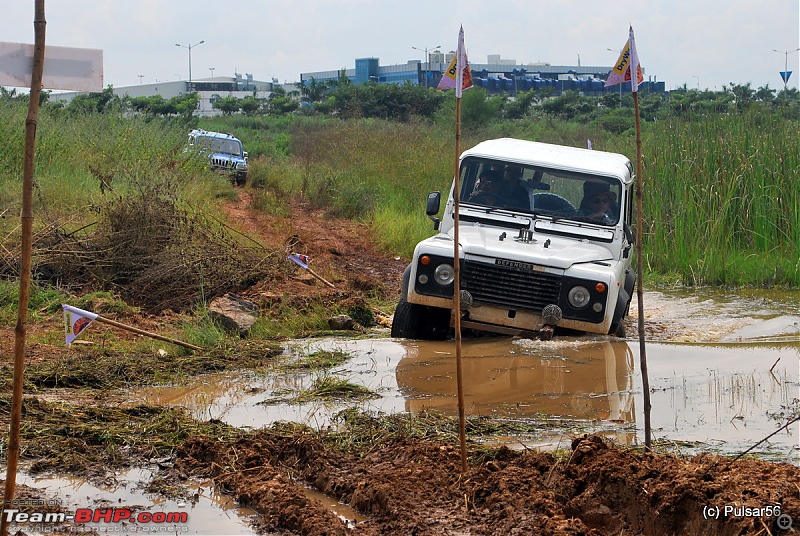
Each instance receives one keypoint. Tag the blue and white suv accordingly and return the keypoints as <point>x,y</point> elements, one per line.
<point>224,152</point>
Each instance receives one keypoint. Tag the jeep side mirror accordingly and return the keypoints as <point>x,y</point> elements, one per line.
<point>628,233</point>
<point>432,208</point>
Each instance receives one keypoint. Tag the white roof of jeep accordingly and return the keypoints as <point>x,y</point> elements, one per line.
<point>200,132</point>
<point>554,156</point>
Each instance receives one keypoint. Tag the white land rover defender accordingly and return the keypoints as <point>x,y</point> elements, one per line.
<point>545,245</point>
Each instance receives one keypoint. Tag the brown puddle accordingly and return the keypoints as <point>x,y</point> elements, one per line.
<point>723,372</point>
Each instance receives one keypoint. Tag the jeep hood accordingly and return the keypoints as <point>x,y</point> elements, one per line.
<point>560,253</point>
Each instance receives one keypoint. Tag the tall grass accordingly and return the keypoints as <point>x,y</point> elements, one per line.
<point>721,196</point>
<point>722,200</point>
<point>85,159</point>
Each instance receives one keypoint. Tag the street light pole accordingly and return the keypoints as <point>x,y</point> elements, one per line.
<point>427,61</point>
<point>785,69</point>
<point>190,47</point>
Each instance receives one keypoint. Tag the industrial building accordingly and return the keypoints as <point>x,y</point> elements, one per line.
<point>496,75</point>
<point>209,89</point>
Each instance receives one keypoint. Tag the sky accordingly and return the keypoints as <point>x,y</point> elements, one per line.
<point>703,44</point>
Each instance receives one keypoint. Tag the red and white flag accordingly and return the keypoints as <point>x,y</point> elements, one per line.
<point>75,321</point>
<point>458,75</point>
<point>627,63</point>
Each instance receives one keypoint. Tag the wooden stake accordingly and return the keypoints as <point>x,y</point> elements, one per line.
<point>639,263</point>
<point>315,274</point>
<point>20,331</point>
<point>462,422</point>
<point>147,333</point>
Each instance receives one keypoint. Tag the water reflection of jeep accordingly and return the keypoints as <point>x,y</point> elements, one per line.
<point>224,152</point>
<point>581,378</point>
<point>535,253</point>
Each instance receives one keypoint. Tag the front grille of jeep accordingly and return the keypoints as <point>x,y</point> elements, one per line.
<point>510,288</point>
<point>222,162</point>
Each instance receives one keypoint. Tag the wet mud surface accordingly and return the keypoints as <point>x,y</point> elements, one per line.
<point>418,487</point>
<point>414,484</point>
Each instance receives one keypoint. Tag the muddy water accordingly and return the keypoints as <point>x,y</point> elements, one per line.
<point>208,512</point>
<point>723,373</point>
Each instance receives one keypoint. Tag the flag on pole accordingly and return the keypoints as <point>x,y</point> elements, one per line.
<point>458,75</point>
<point>75,321</point>
<point>300,260</point>
<point>627,63</point>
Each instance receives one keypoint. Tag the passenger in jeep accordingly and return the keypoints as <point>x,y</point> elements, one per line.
<point>598,203</point>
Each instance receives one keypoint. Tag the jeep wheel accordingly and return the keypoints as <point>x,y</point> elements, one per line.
<point>618,330</point>
<point>413,321</point>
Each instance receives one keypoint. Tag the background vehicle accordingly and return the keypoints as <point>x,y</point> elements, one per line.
<point>531,264</point>
<point>224,152</point>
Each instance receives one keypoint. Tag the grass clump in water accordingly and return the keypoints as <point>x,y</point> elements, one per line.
<point>318,360</point>
<point>325,387</point>
<point>85,439</point>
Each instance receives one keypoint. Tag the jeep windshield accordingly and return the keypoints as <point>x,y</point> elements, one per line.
<point>220,145</point>
<point>560,194</point>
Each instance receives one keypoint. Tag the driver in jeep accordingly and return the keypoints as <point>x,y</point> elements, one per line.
<point>488,190</point>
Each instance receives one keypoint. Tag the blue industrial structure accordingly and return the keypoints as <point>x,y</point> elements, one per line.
<point>496,78</point>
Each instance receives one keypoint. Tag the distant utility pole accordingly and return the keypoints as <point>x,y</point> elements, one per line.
<point>190,47</point>
<point>786,72</point>
<point>427,61</point>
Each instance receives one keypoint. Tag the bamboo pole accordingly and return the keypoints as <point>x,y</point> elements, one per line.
<point>462,422</point>
<point>315,274</point>
<point>147,333</point>
<point>639,263</point>
<point>20,331</point>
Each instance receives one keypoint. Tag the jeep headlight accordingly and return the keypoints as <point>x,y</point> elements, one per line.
<point>579,296</point>
<point>444,274</point>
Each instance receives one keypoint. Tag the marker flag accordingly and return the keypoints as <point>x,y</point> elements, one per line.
<point>458,75</point>
<point>627,63</point>
<point>300,260</point>
<point>75,321</point>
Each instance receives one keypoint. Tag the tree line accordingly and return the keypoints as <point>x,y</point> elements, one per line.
<point>342,98</point>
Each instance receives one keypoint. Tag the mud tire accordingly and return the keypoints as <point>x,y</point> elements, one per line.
<point>413,321</point>
<point>618,330</point>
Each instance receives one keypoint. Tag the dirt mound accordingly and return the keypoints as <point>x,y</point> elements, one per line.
<point>340,252</point>
<point>416,487</point>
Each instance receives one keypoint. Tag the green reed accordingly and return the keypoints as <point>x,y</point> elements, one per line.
<point>721,199</point>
